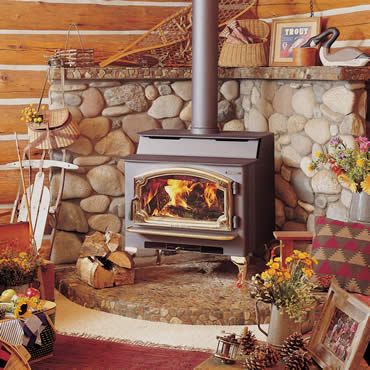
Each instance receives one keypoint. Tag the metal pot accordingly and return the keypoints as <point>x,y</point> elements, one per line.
<point>360,208</point>
<point>281,326</point>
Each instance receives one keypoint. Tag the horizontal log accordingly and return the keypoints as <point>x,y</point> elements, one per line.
<point>21,84</point>
<point>106,17</point>
<point>8,152</point>
<point>355,26</point>
<point>36,49</point>
<point>274,8</point>
<point>56,16</point>
<point>10,120</point>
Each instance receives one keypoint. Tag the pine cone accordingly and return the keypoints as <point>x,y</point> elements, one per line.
<point>255,361</point>
<point>291,344</point>
<point>247,341</point>
<point>271,355</point>
<point>298,360</point>
<point>2,313</point>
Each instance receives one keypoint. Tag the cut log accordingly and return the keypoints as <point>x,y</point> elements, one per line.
<point>113,240</point>
<point>121,259</point>
<point>94,245</point>
<point>123,276</point>
<point>91,272</point>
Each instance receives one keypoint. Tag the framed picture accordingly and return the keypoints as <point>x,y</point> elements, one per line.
<point>287,34</point>
<point>340,338</point>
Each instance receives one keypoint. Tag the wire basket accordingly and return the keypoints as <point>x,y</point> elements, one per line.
<point>247,55</point>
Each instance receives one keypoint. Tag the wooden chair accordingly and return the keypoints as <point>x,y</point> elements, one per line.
<point>289,238</point>
<point>19,356</point>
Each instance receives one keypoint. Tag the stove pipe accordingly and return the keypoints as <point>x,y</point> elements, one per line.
<point>205,66</point>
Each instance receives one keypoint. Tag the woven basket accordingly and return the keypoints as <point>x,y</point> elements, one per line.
<point>73,57</point>
<point>19,356</point>
<point>247,55</point>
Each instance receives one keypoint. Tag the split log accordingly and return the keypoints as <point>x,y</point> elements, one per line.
<point>94,245</point>
<point>123,276</point>
<point>113,240</point>
<point>91,272</point>
<point>121,259</point>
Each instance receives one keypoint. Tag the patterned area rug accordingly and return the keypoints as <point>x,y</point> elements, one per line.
<point>89,354</point>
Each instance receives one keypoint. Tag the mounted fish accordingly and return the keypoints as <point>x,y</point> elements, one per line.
<point>348,56</point>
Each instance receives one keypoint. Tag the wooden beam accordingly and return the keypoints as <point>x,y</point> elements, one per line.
<point>56,16</point>
<point>10,120</point>
<point>36,49</point>
<point>21,84</point>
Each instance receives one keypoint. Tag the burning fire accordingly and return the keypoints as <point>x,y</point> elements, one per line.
<point>178,190</point>
<point>181,197</point>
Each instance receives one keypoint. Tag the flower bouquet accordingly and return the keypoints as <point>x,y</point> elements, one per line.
<point>288,286</point>
<point>18,269</point>
<point>351,166</point>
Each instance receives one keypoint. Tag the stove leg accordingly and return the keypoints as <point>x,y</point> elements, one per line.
<point>242,264</point>
<point>158,255</point>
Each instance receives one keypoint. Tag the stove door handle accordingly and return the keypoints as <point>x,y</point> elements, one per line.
<point>133,208</point>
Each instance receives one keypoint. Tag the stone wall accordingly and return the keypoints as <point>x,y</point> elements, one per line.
<point>303,116</point>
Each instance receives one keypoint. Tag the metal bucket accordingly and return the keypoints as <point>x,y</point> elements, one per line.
<point>360,208</point>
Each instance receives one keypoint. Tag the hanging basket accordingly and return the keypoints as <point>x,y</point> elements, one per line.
<point>72,57</point>
<point>247,55</point>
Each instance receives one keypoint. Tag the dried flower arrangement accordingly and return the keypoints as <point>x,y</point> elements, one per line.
<point>30,114</point>
<point>18,270</point>
<point>350,165</point>
<point>288,286</point>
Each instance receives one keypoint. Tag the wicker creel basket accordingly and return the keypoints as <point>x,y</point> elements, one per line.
<point>247,55</point>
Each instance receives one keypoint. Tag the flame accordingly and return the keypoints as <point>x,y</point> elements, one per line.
<point>178,190</point>
<point>154,188</point>
<point>182,194</point>
<point>210,194</point>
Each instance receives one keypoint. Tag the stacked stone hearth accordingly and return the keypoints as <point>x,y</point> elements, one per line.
<point>303,116</point>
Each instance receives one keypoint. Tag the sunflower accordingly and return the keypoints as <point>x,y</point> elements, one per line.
<point>365,185</point>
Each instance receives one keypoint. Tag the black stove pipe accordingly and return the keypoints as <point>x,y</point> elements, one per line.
<point>205,66</point>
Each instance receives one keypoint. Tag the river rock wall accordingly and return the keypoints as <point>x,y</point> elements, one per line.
<point>304,116</point>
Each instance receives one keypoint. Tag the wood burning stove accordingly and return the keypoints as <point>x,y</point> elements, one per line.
<point>202,190</point>
<point>199,200</point>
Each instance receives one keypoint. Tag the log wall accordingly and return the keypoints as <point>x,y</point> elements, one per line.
<point>31,30</point>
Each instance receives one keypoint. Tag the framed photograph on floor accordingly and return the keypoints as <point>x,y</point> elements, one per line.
<point>287,34</point>
<point>340,338</point>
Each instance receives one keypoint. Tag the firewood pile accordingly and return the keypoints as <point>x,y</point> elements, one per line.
<point>102,265</point>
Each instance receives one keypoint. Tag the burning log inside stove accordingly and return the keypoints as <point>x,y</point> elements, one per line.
<point>183,197</point>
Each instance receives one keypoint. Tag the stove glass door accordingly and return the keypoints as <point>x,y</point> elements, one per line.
<point>183,198</point>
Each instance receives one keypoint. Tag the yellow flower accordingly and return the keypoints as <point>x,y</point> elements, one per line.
<point>275,266</point>
<point>365,185</point>
<point>360,162</point>
<point>277,259</point>
<point>288,259</point>
<point>308,272</point>
<point>317,154</point>
<point>287,275</point>
<point>314,260</point>
<point>347,182</point>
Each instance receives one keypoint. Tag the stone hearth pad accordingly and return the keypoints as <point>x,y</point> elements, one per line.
<point>185,289</point>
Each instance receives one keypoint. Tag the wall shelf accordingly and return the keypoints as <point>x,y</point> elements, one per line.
<point>265,73</point>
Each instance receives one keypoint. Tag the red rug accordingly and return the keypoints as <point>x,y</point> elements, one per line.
<point>89,354</point>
